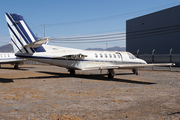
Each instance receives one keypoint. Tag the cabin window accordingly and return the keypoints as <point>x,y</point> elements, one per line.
<point>105,55</point>
<point>114,56</point>
<point>110,55</point>
<point>8,55</point>
<point>4,55</point>
<point>131,56</point>
<point>96,55</point>
<point>0,55</point>
<point>101,55</point>
<point>118,56</point>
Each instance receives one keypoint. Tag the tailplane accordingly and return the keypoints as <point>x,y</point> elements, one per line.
<point>22,37</point>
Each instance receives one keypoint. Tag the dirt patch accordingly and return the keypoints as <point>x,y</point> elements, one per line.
<point>47,92</point>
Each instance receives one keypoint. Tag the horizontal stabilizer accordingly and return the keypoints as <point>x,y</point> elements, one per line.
<point>37,43</point>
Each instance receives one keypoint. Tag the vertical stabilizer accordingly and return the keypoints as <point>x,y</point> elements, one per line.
<point>21,35</point>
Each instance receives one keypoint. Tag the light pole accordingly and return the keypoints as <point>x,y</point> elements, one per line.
<point>106,46</point>
<point>45,29</point>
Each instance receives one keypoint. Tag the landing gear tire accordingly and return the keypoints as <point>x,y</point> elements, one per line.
<point>110,76</point>
<point>16,67</point>
<point>111,73</point>
<point>135,71</point>
<point>72,72</point>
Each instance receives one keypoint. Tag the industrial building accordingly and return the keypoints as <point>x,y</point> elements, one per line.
<point>155,37</point>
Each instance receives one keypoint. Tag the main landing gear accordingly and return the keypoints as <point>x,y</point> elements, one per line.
<point>135,71</point>
<point>111,73</point>
<point>72,71</point>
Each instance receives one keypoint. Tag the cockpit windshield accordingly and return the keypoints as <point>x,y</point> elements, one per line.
<point>131,56</point>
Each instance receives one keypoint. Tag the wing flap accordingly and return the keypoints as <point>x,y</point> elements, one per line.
<point>73,56</point>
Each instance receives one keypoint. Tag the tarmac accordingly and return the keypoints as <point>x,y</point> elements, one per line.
<point>43,92</point>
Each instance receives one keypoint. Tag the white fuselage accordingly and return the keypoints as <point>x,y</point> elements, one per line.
<point>26,45</point>
<point>9,58</point>
<point>55,56</point>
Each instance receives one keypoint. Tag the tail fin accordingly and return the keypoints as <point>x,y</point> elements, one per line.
<point>21,35</point>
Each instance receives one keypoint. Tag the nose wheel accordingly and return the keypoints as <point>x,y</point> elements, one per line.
<point>16,66</point>
<point>72,72</point>
<point>135,71</point>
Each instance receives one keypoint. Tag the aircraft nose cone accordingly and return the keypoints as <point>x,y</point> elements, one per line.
<point>142,61</point>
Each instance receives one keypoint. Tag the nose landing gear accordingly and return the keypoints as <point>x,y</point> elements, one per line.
<point>135,71</point>
<point>72,72</point>
<point>16,66</point>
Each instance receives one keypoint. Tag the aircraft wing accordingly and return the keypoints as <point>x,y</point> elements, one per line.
<point>145,65</point>
<point>132,66</point>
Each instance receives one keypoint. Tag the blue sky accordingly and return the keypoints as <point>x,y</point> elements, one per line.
<point>64,17</point>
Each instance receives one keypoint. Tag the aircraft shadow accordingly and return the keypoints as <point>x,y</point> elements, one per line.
<point>102,77</point>
<point>4,80</point>
<point>174,113</point>
<point>8,68</point>
<point>94,77</point>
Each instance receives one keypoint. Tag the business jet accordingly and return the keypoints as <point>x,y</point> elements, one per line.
<point>27,46</point>
<point>10,58</point>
